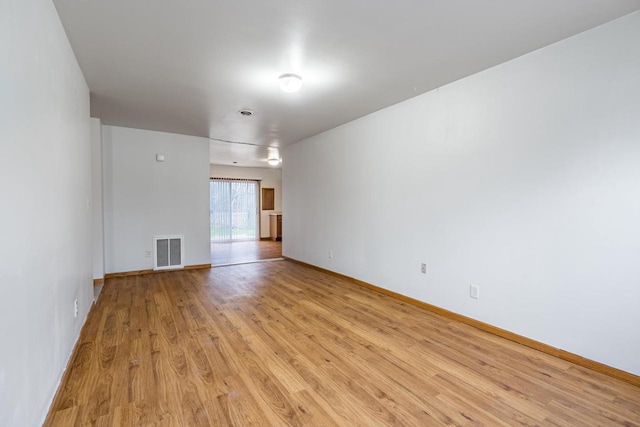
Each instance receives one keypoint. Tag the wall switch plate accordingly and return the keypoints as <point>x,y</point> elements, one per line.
<point>474,291</point>
<point>330,254</point>
<point>423,268</point>
<point>147,254</point>
<point>75,308</point>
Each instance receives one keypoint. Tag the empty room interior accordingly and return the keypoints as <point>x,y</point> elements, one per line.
<point>354,213</point>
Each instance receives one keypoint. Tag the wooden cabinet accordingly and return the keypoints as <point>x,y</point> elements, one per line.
<point>275,226</point>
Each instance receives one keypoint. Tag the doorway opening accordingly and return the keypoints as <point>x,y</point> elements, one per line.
<point>235,223</point>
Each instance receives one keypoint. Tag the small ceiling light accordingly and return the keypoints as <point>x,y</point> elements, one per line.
<point>290,82</point>
<point>274,156</point>
<point>245,113</point>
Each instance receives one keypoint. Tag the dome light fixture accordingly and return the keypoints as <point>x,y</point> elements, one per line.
<point>274,156</point>
<point>290,82</point>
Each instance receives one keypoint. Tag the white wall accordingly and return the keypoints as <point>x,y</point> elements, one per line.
<point>45,188</point>
<point>523,179</point>
<point>96,197</point>
<point>269,178</point>
<point>144,198</point>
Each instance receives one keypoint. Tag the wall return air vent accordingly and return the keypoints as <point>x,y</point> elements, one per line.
<point>168,252</point>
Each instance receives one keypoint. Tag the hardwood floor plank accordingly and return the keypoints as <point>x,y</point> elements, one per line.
<point>285,345</point>
<point>64,417</point>
<point>496,410</point>
<point>237,252</point>
<point>242,410</point>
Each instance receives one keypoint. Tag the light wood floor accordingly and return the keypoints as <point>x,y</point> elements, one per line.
<point>238,252</point>
<point>281,344</point>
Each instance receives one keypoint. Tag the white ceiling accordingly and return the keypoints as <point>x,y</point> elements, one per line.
<point>188,66</point>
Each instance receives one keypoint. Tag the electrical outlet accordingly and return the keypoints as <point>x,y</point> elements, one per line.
<point>423,268</point>
<point>330,254</point>
<point>75,308</point>
<point>474,291</point>
<point>147,254</point>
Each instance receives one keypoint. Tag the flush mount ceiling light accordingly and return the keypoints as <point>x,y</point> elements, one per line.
<point>290,82</point>
<point>274,157</point>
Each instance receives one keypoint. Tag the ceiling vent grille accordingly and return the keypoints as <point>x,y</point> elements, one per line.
<point>168,252</point>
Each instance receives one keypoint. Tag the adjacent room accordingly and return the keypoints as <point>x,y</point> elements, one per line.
<point>418,213</point>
